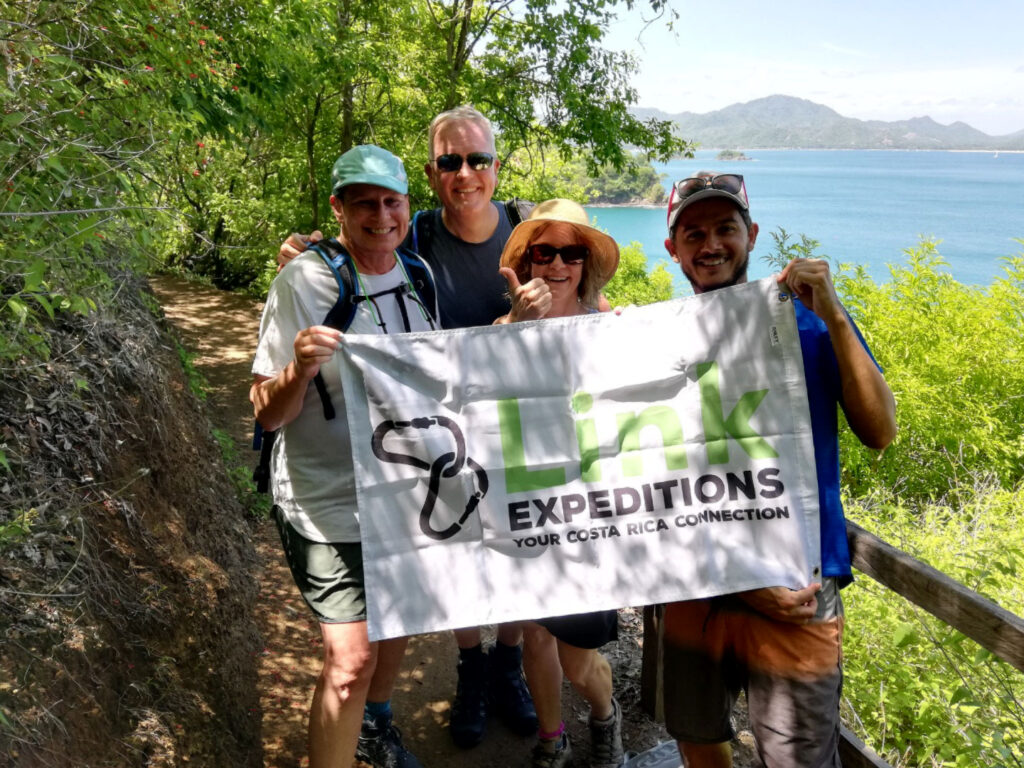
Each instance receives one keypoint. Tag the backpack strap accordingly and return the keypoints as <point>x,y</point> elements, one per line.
<point>421,278</point>
<point>517,210</point>
<point>262,441</point>
<point>340,316</point>
<point>337,259</point>
<point>422,227</point>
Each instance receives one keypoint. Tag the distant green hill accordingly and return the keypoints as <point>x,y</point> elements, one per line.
<point>786,122</point>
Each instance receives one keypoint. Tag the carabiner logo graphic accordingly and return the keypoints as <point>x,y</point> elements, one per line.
<point>447,465</point>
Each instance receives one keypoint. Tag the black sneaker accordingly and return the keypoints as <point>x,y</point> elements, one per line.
<point>469,710</point>
<point>510,697</point>
<point>380,745</point>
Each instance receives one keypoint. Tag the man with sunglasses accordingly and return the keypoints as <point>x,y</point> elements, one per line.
<point>462,242</point>
<point>782,646</point>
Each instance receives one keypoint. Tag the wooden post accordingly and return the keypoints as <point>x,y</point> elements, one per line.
<point>980,619</point>
<point>854,753</point>
<point>651,669</point>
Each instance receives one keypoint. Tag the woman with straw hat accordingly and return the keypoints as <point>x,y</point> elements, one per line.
<point>546,282</point>
<point>556,263</point>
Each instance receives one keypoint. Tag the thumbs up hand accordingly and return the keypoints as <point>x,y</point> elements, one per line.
<point>531,301</point>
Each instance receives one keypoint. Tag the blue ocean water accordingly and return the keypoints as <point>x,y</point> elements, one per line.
<point>864,207</point>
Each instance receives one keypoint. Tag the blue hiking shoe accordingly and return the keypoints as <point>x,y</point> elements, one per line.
<point>509,697</point>
<point>469,710</point>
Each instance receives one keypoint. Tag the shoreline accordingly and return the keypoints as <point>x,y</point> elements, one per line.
<point>652,206</point>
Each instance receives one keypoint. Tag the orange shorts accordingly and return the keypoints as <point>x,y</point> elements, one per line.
<point>791,673</point>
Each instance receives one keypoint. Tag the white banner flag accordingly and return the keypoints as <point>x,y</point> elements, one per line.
<point>580,464</point>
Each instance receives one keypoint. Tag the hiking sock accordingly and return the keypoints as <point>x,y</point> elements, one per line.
<point>375,710</point>
<point>507,655</point>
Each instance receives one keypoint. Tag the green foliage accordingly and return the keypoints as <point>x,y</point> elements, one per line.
<point>94,94</point>
<point>197,134</point>
<point>954,357</point>
<point>920,692</point>
<point>635,182</point>
<point>633,284</point>
<point>18,527</point>
<point>577,179</point>
<point>318,77</point>
<point>784,249</point>
<point>196,382</point>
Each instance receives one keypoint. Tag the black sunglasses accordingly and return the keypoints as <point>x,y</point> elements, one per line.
<point>727,182</point>
<point>542,253</point>
<point>478,161</point>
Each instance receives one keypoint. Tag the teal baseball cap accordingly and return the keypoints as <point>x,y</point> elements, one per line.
<point>369,164</point>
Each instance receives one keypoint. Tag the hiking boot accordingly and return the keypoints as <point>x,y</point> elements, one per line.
<point>380,745</point>
<point>469,710</point>
<point>510,698</point>
<point>606,740</point>
<point>557,756</point>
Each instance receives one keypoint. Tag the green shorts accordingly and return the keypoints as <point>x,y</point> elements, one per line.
<point>791,673</point>
<point>329,576</point>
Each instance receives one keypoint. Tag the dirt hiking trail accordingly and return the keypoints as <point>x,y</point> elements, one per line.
<point>221,330</point>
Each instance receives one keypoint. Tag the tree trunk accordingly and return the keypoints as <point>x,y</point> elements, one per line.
<point>314,188</point>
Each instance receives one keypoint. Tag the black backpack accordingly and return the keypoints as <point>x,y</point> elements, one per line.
<point>422,225</point>
<point>340,316</point>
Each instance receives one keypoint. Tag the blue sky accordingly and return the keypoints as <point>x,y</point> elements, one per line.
<point>873,60</point>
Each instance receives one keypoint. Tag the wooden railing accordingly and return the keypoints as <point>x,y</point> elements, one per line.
<point>992,627</point>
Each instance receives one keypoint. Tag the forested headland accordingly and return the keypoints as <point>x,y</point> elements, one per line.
<point>145,135</point>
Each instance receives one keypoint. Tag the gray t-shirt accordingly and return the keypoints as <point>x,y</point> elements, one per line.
<point>470,291</point>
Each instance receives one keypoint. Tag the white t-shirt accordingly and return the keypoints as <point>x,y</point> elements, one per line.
<point>312,478</point>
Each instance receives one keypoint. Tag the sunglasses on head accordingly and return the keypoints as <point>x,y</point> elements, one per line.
<point>478,161</point>
<point>727,182</point>
<point>542,253</point>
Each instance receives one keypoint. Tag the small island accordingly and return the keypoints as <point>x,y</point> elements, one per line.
<point>731,155</point>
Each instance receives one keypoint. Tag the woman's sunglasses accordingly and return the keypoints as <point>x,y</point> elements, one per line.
<point>542,253</point>
<point>478,161</point>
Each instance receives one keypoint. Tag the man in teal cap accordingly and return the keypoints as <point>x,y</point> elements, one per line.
<point>462,241</point>
<point>312,476</point>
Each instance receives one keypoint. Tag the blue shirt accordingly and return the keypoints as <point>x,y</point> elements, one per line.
<point>824,396</point>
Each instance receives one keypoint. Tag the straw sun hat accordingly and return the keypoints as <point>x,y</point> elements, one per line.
<point>604,253</point>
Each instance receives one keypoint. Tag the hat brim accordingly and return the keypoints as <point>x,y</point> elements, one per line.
<point>705,194</point>
<point>604,251</point>
<point>377,180</point>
